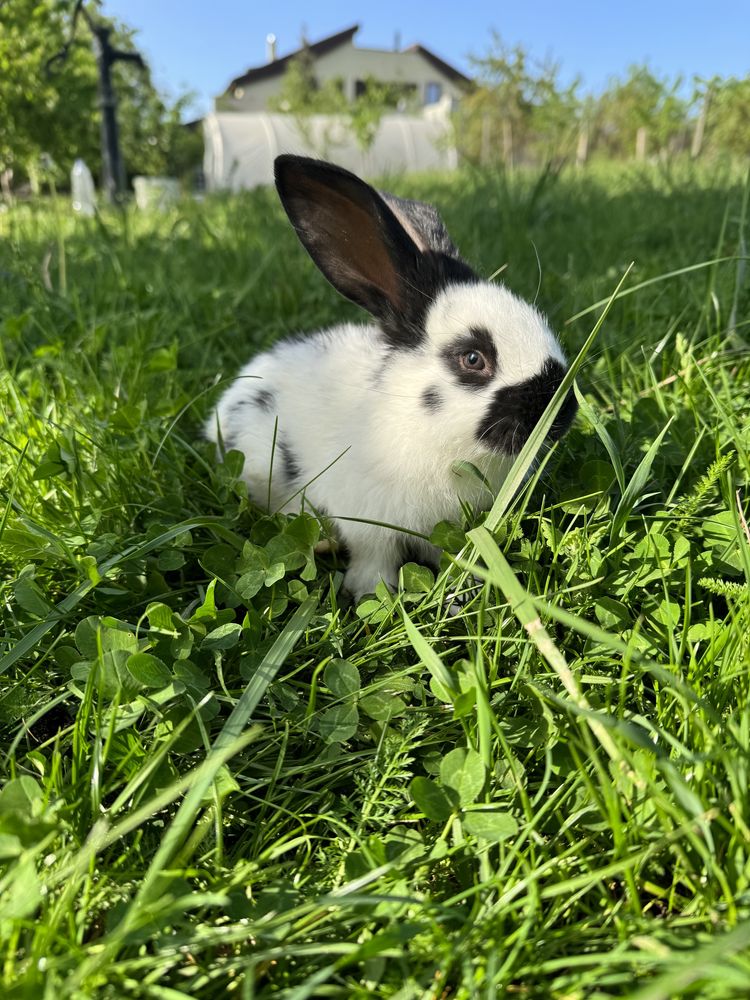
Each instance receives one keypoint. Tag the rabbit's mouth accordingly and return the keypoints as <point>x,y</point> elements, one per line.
<point>516,409</point>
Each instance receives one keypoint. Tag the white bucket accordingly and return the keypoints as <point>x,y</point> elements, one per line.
<point>156,193</point>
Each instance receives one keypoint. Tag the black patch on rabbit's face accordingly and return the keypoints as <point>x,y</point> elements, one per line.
<point>431,399</point>
<point>289,462</point>
<point>265,400</point>
<point>477,341</point>
<point>515,410</point>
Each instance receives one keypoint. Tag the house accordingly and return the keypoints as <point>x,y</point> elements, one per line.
<point>419,71</point>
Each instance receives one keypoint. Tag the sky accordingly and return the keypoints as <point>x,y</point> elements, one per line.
<point>196,46</point>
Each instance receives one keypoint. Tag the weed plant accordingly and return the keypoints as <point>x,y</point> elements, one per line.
<point>219,779</point>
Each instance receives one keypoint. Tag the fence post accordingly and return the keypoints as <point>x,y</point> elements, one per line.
<point>582,149</point>
<point>484,153</point>
<point>700,127</point>
<point>640,143</point>
<point>507,143</point>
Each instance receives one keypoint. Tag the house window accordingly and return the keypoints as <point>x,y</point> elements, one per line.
<point>432,93</point>
<point>239,93</point>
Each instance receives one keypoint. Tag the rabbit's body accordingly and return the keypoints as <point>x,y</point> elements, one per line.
<point>375,423</point>
<point>315,450</point>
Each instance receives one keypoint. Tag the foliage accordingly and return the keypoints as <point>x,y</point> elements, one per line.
<point>303,95</point>
<point>217,779</point>
<point>518,110</point>
<point>640,100</point>
<point>41,111</point>
<point>153,138</point>
<point>52,108</point>
<point>728,113</point>
<point>368,107</point>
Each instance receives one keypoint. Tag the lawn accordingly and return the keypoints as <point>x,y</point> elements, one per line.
<point>220,779</point>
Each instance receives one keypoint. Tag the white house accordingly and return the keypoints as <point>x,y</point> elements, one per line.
<point>418,70</point>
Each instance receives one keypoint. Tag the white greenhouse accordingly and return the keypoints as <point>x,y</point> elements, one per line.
<point>240,148</point>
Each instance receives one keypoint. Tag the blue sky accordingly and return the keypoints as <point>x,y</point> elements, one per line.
<point>194,45</point>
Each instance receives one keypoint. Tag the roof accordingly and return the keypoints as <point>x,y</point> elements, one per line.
<point>450,71</point>
<point>279,66</point>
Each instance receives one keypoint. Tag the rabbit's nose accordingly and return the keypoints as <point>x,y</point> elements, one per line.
<point>515,410</point>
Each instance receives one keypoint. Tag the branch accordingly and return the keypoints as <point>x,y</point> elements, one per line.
<point>62,55</point>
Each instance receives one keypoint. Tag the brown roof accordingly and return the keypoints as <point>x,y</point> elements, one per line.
<point>450,71</point>
<point>279,66</point>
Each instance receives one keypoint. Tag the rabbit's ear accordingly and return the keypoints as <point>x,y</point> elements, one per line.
<point>423,223</point>
<point>351,234</point>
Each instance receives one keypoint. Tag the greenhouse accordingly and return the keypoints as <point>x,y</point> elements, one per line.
<point>240,148</point>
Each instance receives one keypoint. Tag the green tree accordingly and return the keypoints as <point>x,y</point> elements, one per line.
<point>52,107</point>
<point>727,115</point>
<point>301,92</point>
<point>303,95</point>
<point>518,109</point>
<point>44,111</point>
<point>640,100</point>
<point>375,100</point>
<point>153,137</point>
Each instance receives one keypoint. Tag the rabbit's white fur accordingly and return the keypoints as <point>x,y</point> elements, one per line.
<point>343,423</point>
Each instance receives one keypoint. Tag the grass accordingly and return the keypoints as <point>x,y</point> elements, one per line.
<point>219,781</point>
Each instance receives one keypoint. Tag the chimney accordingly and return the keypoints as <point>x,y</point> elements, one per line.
<point>397,41</point>
<point>271,48</point>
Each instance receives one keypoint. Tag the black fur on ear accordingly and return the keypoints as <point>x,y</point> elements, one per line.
<point>360,246</point>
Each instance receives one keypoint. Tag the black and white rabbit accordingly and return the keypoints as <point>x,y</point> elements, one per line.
<point>377,422</point>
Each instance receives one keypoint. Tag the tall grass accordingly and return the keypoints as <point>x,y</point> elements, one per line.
<point>219,780</point>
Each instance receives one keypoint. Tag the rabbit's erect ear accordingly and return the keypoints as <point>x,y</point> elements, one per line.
<point>423,223</point>
<point>350,233</point>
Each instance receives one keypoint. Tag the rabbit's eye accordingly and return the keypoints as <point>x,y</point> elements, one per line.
<point>474,361</point>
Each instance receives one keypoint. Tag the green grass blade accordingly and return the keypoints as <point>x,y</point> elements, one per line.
<point>528,453</point>
<point>635,487</point>
<point>503,576</point>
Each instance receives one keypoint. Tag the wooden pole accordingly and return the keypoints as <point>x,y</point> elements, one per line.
<point>582,149</point>
<point>641,137</point>
<point>507,142</point>
<point>484,154</point>
<point>700,126</point>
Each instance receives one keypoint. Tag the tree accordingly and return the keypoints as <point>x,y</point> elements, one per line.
<point>50,105</point>
<point>727,113</point>
<point>375,100</point>
<point>517,109</point>
<point>39,111</point>
<point>303,95</point>
<point>640,100</point>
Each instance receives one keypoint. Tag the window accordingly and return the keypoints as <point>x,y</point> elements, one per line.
<point>432,93</point>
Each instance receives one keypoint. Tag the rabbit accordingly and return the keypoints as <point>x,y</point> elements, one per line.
<point>379,426</point>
